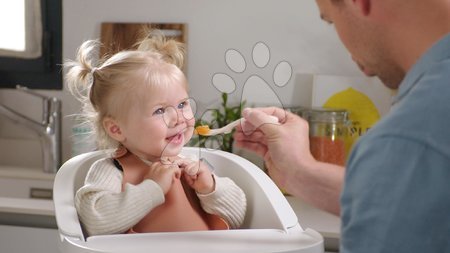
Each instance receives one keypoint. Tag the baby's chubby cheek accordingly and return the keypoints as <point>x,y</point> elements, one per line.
<point>189,130</point>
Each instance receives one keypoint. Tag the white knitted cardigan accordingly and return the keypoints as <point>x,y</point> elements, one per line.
<point>104,208</point>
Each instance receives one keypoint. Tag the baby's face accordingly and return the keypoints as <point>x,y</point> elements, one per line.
<point>161,125</point>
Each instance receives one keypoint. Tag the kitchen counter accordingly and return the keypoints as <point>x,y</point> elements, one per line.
<point>37,213</point>
<point>27,206</point>
<point>25,197</point>
<point>323,222</point>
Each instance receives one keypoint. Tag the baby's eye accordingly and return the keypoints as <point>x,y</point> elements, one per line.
<point>159,111</point>
<point>183,104</point>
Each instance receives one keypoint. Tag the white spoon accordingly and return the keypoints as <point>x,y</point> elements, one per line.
<point>206,131</point>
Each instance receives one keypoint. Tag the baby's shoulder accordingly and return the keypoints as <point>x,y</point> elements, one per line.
<point>102,167</point>
<point>105,162</point>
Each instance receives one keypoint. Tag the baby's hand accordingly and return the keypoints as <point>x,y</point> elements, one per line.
<point>163,174</point>
<point>197,175</point>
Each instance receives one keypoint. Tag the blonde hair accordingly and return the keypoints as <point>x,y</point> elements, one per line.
<point>104,87</point>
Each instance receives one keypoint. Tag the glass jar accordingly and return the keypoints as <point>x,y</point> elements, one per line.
<point>328,130</point>
<point>299,110</point>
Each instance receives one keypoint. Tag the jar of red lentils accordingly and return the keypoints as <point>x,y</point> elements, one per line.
<point>328,130</point>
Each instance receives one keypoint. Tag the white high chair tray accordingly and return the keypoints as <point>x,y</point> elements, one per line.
<point>270,224</point>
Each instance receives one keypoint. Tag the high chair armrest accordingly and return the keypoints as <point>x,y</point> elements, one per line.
<point>260,189</point>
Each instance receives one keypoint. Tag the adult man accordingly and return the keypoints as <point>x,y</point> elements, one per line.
<point>395,194</point>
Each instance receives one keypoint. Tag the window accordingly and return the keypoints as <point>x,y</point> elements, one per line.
<point>31,45</point>
<point>21,23</point>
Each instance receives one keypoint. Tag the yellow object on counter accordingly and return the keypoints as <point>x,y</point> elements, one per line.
<point>363,113</point>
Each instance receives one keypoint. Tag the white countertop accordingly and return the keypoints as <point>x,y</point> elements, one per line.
<point>27,206</point>
<point>16,184</point>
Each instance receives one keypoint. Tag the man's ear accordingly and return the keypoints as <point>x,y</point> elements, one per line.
<point>364,6</point>
<point>112,128</point>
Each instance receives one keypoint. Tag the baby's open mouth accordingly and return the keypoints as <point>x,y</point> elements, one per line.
<point>177,138</point>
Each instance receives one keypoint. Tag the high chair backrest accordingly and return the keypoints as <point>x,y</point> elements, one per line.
<point>266,206</point>
<point>69,178</point>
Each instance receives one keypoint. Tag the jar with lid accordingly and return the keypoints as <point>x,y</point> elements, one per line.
<point>328,130</point>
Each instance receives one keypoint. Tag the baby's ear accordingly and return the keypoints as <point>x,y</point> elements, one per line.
<point>113,129</point>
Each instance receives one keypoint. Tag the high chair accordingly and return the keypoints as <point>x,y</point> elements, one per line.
<point>270,224</point>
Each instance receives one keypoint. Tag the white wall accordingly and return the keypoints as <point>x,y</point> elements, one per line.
<point>291,29</point>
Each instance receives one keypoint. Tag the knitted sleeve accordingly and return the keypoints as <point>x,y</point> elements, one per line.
<point>227,200</point>
<point>104,208</point>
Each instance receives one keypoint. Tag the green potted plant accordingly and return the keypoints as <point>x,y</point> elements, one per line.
<point>218,118</point>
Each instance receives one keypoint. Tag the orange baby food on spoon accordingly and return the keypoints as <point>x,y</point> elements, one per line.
<point>202,130</point>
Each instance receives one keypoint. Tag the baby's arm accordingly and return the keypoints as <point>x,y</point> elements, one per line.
<point>219,196</point>
<point>227,200</point>
<point>104,208</point>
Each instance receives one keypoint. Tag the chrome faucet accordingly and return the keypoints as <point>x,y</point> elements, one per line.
<point>49,130</point>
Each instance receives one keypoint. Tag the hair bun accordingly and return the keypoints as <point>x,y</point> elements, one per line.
<point>172,51</point>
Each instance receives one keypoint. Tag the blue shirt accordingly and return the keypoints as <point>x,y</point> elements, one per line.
<point>396,196</point>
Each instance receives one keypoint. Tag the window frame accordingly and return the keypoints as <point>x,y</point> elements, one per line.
<point>44,72</point>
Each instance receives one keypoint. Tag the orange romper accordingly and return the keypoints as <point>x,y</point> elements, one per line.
<point>181,210</point>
